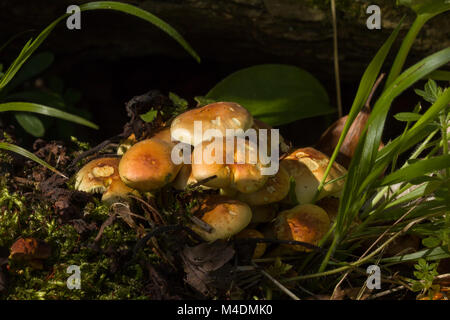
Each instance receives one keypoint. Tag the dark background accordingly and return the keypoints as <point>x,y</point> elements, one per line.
<point>116,56</point>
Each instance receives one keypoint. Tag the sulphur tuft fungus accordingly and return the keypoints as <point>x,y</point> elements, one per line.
<point>275,189</point>
<point>102,176</point>
<point>225,216</point>
<point>148,165</point>
<point>233,167</point>
<point>306,223</point>
<point>218,116</point>
<point>307,166</point>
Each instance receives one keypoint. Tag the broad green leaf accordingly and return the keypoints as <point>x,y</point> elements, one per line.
<point>48,111</point>
<point>407,116</point>
<point>29,155</point>
<point>431,242</point>
<point>31,124</point>
<point>32,45</point>
<point>274,93</point>
<point>417,169</point>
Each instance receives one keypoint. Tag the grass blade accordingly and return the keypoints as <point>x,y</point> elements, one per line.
<point>48,111</point>
<point>29,155</point>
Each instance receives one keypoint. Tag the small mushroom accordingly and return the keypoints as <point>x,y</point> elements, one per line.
<point>102,176</point>
<point>275,189</point>
<point>307,166</point>
<point>242,174</point>
<point>306,223</point>
<point>226,216</point>
<point>219,116</point>
<point>260,247</point>
<point>148,165</point>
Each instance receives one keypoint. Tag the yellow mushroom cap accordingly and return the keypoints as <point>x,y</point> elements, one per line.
<point>307,166</point>
<point>219,116</point>
<point>260,247</point>
<point>97,175</point>
<point>102,176</point>
<point>226,216</point>
<point>275,189</point>
<point>243,174</point>
<point>148,165</point>
<point>306,223</point>
<point>164,135</point>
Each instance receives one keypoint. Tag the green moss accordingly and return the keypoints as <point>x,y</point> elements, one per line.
<point>98,279</point>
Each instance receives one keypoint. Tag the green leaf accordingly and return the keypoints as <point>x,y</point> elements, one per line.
<point>426,6</point>
<point>29,155</point>
<point>440,75</point>
<point>427,254</point>
<point>48,111</point>
<point>407,116</point>
<point>149,116</point>
<point>37,96</point>
<point>274,93</point>
<point>30,124</point>
<point>417,169</point>
<point>431,242</point>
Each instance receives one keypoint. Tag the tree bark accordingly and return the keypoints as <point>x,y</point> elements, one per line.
<point>244,31</point>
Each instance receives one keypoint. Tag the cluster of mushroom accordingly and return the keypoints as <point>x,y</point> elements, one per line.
<point>247,198</point>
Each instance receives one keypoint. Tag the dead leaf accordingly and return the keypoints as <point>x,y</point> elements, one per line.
<point>207,267</point>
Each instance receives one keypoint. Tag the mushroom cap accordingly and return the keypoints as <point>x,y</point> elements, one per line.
<point>102,176</point>
<point>226,216</point>
<point>245,177</point>
<point>97,175</point>
<point>218,115</point>
<point>260,247</point>
<point>275,189</point>
<point>307,166</point>
<point>148,165</point>
<point>118,191</point>
<point>164,135</point>
<point>305,222</point>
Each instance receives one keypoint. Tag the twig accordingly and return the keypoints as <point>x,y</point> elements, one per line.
<point>336,58</point>
<point>279,285</point>
<point>202,224</point>
<point>372,92</point>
